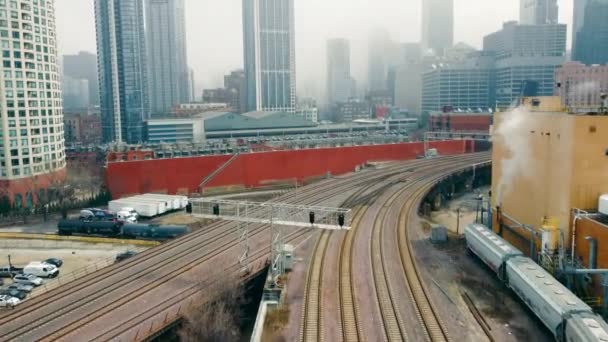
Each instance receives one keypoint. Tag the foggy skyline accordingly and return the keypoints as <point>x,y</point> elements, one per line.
<point>214,32</point>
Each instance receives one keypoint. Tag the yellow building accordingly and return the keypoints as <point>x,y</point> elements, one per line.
<point>546,163</point>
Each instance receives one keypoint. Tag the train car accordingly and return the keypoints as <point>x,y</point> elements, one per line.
<point>551,301</point>
<point>97,228</point>
<point>490,248</point>
<point>153,232</point>
<point>586,327</point>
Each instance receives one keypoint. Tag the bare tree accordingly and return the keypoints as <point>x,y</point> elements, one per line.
<point>216,315</point>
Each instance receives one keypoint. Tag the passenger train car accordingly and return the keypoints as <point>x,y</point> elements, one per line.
<point>562,312</point>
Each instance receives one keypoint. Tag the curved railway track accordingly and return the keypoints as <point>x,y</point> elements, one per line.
<point>405,199</point>
<point>67,311</point>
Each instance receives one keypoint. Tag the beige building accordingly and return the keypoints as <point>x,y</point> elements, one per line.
<point>547,162</point>
<point>580,86</point>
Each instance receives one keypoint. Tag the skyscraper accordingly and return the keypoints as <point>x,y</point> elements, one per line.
<point>83,66</point>
<point>32,142</point>
<point>168,72</point>
<point>437,25</point>
<point>379,57</point>
<point>121,54</point>
<point>526,55</point>
<point>269,49</point>
<point>538,12</point>
<point>339,82</point>
<point>590,41</point>
<point>579,19</point>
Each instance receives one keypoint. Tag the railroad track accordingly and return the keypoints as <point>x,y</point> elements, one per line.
<point>349,311</point>
<point>392,322</point>
<point>34,315</point>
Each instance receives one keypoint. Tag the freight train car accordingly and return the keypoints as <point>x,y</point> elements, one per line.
<point>562,312</point>
<point>93,228</point>
<point>153,232</point>
<point>120,230</point>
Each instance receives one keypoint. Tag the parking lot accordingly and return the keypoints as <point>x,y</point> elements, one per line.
<point>78,258</point>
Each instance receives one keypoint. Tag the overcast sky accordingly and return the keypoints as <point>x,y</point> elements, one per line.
<point>214,31</point>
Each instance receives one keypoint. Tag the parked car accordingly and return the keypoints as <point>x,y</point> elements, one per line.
<point>13,293</point>
<point>6,301</point>
<point>9,271</point>
<point>125,255</point>
<point>20,287</point>
<point>41,269</point>
<point>54,261</point>
<point>28,279</point>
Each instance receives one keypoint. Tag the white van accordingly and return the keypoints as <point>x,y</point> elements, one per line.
<point>125,216</point>
<point>41,269</point>
<point>131,212</point>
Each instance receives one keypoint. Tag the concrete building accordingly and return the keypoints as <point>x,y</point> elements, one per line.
<point>408,79</point>
<point>269,49</point>
<point>339,80</point>
<point>235,84</point>
<point>556,165</point>
<point>168,71</point>
<point>233,93</point>
<point>32,149</point>
<point>590,32</point>
<point>351,110</point>
<point>121,53</point>
<point>84,129</point>
<point>75,94</point>
<point>538,12</point>
<point>437,25</point>
<point>309,114</point>
<point>467,85</point>
<point>580,86</point>
<point>83,66</point>
<point>525,55</point>
<point>190,130</point>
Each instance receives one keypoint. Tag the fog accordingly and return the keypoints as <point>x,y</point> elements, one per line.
<point>214,32</point>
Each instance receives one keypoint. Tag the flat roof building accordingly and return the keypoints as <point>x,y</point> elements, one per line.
<point>580,86</point>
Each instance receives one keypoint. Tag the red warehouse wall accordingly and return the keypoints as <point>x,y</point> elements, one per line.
<point>254,169</point>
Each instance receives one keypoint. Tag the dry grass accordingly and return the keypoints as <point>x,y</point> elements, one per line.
<point>276,319</point>
<point>216,317</point>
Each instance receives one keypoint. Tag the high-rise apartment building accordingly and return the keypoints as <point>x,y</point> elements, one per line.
<point>339,81</point>
<point>121,53</point>
<point>538,12</point>
<point>590,33</point>
<point>437,25</point>
<point>32,142</point>
<point>83,66</point>
<point>269,49</point>
<point>526,55</point>
<point>168,72</point>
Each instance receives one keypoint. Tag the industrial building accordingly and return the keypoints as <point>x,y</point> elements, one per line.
<point>549,171</point>
<point>460,122</point>
<point>580,86</point>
